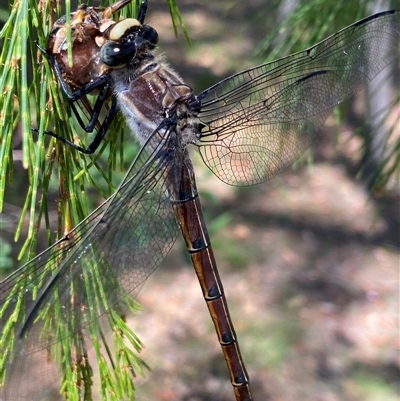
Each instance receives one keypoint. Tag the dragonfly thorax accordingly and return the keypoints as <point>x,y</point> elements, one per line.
<point>148,92</point>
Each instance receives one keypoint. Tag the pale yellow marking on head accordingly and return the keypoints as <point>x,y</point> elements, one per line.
<point>121,27</point>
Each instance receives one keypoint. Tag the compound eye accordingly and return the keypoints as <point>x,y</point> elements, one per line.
<point>116,54</point>
<point>150,34</point>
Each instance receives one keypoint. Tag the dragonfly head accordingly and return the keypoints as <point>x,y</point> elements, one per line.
<point>98,42</point>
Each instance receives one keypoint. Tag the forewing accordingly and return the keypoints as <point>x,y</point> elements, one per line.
<point>68,287</point>
<point>258,122</point>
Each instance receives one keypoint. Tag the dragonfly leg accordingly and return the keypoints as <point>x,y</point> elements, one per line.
<point>99,135</point>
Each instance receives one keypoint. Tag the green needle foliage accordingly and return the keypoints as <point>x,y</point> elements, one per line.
<point>38,103</point>
<point>32,103</point>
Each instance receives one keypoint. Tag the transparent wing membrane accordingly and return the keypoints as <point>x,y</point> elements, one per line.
<point>258,122</point>
<point>105,258</point>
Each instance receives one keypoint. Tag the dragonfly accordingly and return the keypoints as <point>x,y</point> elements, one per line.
<point>247,128</point>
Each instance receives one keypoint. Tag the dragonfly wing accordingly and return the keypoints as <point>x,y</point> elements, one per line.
<point>258,122</point>
<point>70,285</point>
